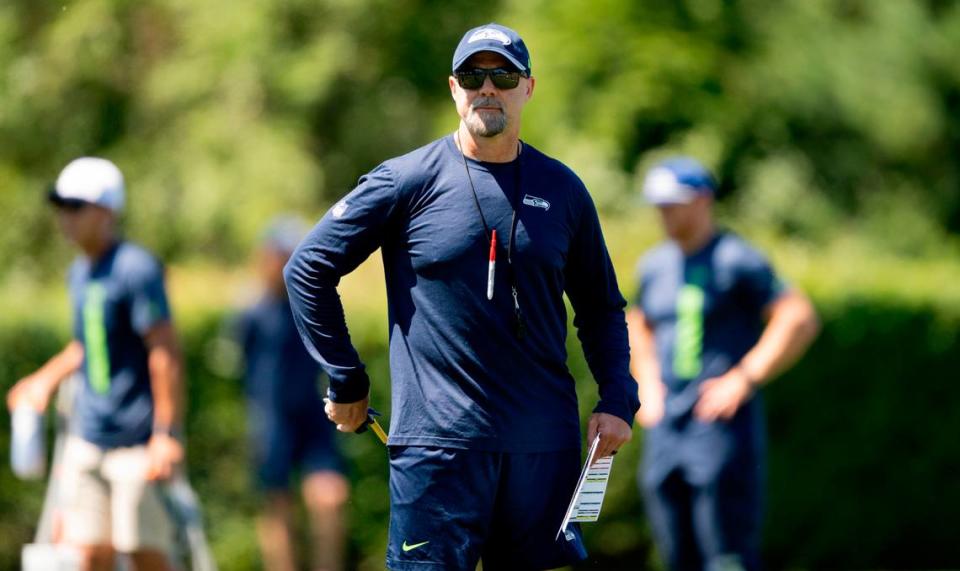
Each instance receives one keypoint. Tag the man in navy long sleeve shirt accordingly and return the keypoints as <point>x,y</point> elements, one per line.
<point>485,435</point>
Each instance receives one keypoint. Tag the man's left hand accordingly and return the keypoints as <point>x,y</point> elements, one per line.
<point>164,453</point>
<point>347,416</point>
<point>614,433</point>
<point>721,397</point>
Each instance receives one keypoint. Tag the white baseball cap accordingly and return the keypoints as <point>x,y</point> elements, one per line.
<point>89,180</point>
<point>678,180</point>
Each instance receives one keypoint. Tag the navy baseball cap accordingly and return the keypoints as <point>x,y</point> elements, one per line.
<point>677,180</point>
<point>493,38</point>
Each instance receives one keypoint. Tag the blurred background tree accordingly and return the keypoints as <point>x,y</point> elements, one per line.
<point>833,125</point>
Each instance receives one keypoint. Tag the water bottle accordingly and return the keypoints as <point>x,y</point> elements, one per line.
<point>28,451</point>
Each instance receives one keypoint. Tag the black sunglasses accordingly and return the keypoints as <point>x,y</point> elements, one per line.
<point>72,205</point>
<point>502,78</point>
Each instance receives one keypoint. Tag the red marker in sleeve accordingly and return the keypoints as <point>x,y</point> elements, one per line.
<point>492,266</point>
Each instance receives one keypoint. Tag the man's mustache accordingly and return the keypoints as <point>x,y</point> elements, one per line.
<point>486,102</point>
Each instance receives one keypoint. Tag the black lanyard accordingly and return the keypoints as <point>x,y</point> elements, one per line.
<point>518,324</point>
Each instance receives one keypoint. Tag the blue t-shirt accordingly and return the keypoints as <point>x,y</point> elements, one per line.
<point>280,375</point>
<point>706,310</point>
<point>116,300</point>
<point>462,378</point>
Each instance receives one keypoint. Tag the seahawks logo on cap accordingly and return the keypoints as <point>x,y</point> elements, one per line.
<point>489,34</point>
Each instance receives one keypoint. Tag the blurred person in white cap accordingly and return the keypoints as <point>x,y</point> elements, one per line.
<point>291,436</point>
<point>710,324</point>
<point>124,434</point>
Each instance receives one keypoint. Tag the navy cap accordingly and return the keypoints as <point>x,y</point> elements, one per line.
<point>493,38</point>
<point>677,180</point>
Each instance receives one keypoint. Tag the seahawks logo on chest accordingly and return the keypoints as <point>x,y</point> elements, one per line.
<point>536,202</point>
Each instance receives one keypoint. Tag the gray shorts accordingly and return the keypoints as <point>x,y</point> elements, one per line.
<point>107,499</point>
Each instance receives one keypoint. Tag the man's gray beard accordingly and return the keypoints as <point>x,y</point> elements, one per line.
<point>486,123</point>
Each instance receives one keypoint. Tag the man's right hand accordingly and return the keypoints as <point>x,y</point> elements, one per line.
<point>347,416</point>
<point>36,389</point>
<point>33,391</point>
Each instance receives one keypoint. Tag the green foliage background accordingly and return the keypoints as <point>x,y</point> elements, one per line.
<point>834,127</point>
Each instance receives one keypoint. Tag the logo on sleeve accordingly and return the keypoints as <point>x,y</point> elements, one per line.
<point>536,202</point>
<point>340,209</point>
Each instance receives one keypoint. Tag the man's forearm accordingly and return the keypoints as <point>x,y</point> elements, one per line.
<point>166,382</point>
<point>61,365</point>
<point>167,391</point>
<point>607,351</point>
<point>319,316</point>
<point>643,358</point>
<point>792,328</point>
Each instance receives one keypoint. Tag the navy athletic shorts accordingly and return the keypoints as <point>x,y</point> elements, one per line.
<point>290,442</point>
<point>450,508</point>
<point>703,484</point>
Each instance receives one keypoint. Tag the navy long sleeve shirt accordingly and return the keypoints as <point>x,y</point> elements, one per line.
<point>461,377</point>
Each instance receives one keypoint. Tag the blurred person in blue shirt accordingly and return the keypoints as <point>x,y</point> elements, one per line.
<point>481,236</point>
<point>128,411</point>
<point>710,324</point>
<point>289,430</point>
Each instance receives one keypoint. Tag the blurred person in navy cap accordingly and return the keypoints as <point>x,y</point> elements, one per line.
<point>710,324</point>
<point>126,423</point>
<point>481,236</point>
<point>290,434</point>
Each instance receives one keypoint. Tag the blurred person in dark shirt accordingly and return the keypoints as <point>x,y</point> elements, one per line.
<point>289,430</point>
<point>710,324</point>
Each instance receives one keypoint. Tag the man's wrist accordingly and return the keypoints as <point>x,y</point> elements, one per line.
<point>167,430</point>
<point>752,380</point>
<point>45,380</point>
<point>621,412</point>
<point>348,392</point>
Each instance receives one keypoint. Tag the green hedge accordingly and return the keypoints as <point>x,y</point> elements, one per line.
<point>863,435</point>
<point>862,448</point>
<point>22,346</point>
